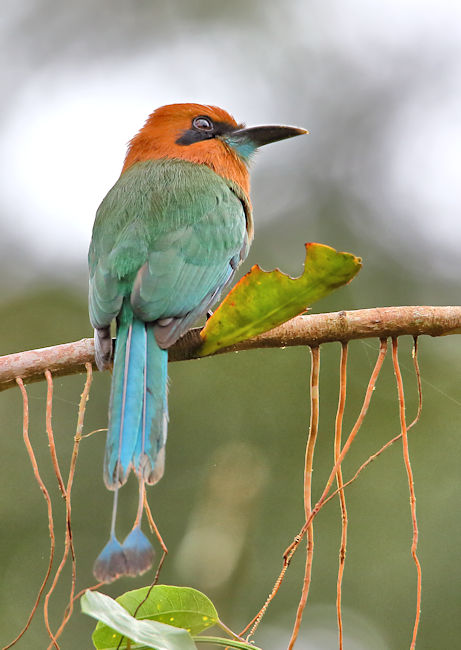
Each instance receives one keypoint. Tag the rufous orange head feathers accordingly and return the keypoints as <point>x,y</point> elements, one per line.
<point>164,136</point>
<point>206,135</point>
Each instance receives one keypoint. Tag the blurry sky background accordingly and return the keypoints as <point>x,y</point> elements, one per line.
<point>378,86</point>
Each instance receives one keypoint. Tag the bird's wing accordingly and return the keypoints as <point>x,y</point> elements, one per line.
<point>170,235</point>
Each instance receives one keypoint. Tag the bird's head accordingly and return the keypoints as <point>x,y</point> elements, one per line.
<point>203,135</point>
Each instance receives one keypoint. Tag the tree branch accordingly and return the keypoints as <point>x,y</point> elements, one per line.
<point>312,330</point>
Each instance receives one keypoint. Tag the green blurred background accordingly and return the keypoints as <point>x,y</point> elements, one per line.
<point>378,87</point>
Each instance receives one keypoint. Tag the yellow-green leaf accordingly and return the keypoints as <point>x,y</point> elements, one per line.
<point>143,634</point>
<point>181,607</point>
<point>262,300</point>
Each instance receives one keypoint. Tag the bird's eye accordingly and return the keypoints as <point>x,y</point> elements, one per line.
<point>202,123</point>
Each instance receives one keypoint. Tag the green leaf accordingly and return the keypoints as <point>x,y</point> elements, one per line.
<point>182,607</point>
<point>146,634</point>
<point>262,300</point>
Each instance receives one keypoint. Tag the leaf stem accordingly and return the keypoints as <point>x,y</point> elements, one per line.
<point>228,631</point>
<point>230,643</point>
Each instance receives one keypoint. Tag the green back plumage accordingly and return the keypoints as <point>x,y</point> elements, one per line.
<point>169,233</point>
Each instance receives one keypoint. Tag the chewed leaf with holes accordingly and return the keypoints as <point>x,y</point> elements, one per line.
<point>181,607</point>
<point>262,300</point>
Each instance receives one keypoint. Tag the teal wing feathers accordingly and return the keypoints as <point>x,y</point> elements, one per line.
<point>170,235</point>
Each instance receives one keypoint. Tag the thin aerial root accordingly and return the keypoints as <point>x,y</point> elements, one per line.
<point>359,421</point>
<point>308,468</point>
<point>291,549</point>
<point>155,530</point>
<point>69,544</point>
<point>49,431</point>
<point>411,487</point>
<point>153,525</point>
<point>390,442</point>
<point>255,621</point>
<point>141,499</point>
<point>30,451</point>
<point>91,433</point>
<point>360,469</point>
<point>366,403</point>
<point>313,429</point>
<point>414,355</point>
<point>82,591</point>
<point>69,605</point>
<point>339,481</point>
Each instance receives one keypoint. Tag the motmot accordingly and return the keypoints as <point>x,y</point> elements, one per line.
<point>167,240</point>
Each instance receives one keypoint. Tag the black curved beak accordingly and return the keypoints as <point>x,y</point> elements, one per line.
<point>261,135</point>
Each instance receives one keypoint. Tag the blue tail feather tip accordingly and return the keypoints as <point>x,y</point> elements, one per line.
<point>138,552</point>
<point>111,562</point>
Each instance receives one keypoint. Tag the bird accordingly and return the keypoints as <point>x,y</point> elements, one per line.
<point>166,242</point>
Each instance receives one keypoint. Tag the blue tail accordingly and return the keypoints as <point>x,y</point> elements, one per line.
<point>136,437</point>
<point>138,414</point>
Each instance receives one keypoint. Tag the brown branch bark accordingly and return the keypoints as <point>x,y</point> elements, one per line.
<point>312,330</point>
